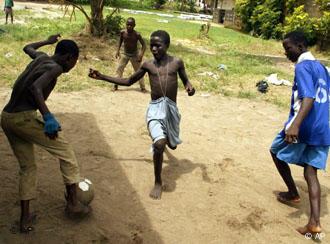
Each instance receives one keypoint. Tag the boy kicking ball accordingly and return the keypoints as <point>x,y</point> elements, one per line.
<point>162,117</point>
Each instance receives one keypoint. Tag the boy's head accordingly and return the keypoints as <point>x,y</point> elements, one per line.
<point>68,53</point>
<point>159,43</point>
<point>130,24</point>
<point>294,43</point>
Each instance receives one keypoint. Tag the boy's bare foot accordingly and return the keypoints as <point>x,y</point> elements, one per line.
<point>25,225</point>
<point>77,211</point>
<point>309,229</point>
<point>288,198</point>
<point>156,192</point>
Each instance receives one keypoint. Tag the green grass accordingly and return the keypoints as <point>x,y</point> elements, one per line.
<point>224,46</point>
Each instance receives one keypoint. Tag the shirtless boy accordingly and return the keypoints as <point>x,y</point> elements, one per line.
<point>24,128</point>
<point>162,117</point>
<point>130,38</point>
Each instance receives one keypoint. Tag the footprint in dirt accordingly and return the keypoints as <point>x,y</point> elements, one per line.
<point>255,218</point>
<point>226,162</point>
<point>136,238</point>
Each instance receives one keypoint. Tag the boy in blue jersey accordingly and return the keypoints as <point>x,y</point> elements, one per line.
<point>305,138</point>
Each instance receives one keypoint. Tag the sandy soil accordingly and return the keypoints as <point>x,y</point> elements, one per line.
<point>220,182</point>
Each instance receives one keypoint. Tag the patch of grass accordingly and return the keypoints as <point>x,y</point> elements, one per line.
<point>246,94</point>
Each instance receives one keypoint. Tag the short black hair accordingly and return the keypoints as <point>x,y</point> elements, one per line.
<point>163,35</point>
<point>130,18</point>
<point>67,46</point>
<point>297,37</point>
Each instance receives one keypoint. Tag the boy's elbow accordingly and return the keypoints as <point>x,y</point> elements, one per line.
<point>26,49</point>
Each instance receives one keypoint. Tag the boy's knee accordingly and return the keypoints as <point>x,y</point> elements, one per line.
<point>309,173</point>
<point>159,145</point>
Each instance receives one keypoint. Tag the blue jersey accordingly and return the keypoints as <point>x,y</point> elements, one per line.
<point>311,81</point>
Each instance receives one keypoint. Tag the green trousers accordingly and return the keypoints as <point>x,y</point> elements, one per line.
<point>24,130</point>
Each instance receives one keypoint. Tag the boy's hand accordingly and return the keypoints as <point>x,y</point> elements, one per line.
<point>95,74</point>
<point>53,39</point>
<point>52,127</point>
<point>190,90</point>
<point>291,135</point>
<point>117,54</point>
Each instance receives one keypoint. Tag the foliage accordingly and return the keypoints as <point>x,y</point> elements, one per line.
<point>324,4</point>
<point>183,5</point>
<point>261,18</point>
<point>300,20</point>
<point>290,5</point>
<point>323,31</point>
<point>266,18</point>
<point>244,10</point>
<point>265,21</point>
<point>113,24</point>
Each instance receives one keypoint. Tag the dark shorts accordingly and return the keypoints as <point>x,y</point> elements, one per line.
<point>8,10</point>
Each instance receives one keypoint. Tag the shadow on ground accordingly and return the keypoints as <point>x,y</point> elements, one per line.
<point>118,215</point>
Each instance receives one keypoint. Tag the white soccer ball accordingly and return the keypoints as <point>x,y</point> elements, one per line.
<point>85,191</point>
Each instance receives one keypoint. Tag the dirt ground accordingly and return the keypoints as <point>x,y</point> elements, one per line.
<point>220,182</point>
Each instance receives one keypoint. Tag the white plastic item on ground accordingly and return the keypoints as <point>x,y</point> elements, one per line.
<point>328,68</point>
<point>273,79</point>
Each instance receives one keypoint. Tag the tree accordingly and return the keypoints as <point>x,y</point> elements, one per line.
<point>95,19</point>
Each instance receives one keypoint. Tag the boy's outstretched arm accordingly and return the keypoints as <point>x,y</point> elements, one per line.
<point>31,49</point>
<point>291,134</point>
<point>183,76</point>
<point>144,47</point>
<point>116,80</point>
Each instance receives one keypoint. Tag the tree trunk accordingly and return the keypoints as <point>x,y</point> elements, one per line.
<point>97,22</point>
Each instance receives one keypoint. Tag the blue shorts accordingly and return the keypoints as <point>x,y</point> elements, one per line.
<point>300,153</point>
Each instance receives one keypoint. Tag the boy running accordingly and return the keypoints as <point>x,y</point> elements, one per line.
<point>24,128</point>
<point>305,138</point>
<point>162,117</point>
<point>130,38</point>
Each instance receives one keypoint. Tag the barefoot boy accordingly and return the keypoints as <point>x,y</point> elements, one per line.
<point>162,117</point>
<point>130,38</point>
<point>305,138</point>
<point>24,128</point>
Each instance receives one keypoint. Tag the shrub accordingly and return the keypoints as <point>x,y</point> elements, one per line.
<point>262,17</point>
<point>244,10</point>
<point>113,24</point>
<point>323,31</point>
<point>300,20</point>
<point>324,4</point>
<point>265,21</point>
